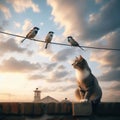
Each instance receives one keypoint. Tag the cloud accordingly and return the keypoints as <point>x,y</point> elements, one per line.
<point>98,1</point>
<point>107,20</point>
<point>36,77</point>
<point>27,26</point>
<point>5,11</point>
<point>20,66</point>
<point>61,67</point>
<point>51,77</point>
<point>116,86</point>
<point>21,5</point>
<point>59,74</point>
<point>111,91</point>
<point>113,85</point>
<point>67,88</point>
<point>85,19</point>
<point>46,68</point>
<point>30,52</point>
<point>44,52</point>
<point>46,89</point>
<point>111,95</point>
<point>109,60</point>
<point>10,46</point>
<point>60,88</point>
<point>111,75</point>
<point>17,24</point>
<point>49,67</point>
<point>3,24</point>
<point>51,72</point>
<point>63,55</point>
<point>41,23</point>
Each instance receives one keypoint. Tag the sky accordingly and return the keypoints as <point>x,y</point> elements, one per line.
<point>24,67</point>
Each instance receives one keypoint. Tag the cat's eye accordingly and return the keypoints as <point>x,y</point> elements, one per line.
<point>76,62</point>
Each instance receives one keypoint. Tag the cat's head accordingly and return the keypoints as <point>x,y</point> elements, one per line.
<point>80,63</point>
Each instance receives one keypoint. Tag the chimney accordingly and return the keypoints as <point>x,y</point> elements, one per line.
<point>37,95</point>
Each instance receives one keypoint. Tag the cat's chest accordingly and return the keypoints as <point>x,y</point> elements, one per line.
<point>81,75</point>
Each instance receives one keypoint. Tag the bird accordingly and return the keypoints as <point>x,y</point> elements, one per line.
<point>31,34</point>
<point>48,38</point>
<point>73,42</point>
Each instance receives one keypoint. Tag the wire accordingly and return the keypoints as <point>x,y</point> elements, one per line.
<point>91,47</point>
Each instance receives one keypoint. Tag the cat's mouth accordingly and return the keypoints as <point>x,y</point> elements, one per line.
<point>74,65</point>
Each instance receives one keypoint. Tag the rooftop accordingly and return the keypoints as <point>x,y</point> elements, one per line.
<point>58,111</point>
<point>48,99</point>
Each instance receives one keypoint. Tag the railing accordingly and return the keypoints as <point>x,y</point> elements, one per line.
<point>38,109</point>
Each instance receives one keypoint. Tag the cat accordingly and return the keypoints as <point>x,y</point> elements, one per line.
<point>88,88</point>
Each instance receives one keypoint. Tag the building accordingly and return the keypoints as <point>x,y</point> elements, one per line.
<point>47,99</point>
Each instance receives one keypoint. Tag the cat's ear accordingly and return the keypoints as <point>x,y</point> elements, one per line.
<point>80,57</point>
<point>77,58</point>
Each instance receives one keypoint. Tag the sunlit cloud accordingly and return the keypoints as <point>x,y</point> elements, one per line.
<point>27,26</point>
<point>63,55</point>
<point>20,66</point>
<point>36,77</point>
<point>5,11</point>
<point>21,5</point>
<point>46,53</point>
<point>17,24</point>
<point>75,19</point>
<point>10,46</point>
<point>98,1</point>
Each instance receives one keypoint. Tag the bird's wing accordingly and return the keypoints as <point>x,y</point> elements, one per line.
<point>48,38</point>
<point>75,43</point>
<point>72,41</point>
<point>30,32</point>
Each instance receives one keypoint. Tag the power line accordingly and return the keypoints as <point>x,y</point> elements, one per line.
<point>91,47</point>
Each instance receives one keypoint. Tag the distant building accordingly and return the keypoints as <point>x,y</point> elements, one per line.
<point>66,100</point>
<point>47,99</point>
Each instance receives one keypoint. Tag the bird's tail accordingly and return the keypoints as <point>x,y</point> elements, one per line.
<point>23,40</point>
<point>81,48</point>
<point>46,45</point>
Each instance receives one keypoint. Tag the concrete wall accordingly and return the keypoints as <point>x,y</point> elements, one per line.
<point>38,109</point>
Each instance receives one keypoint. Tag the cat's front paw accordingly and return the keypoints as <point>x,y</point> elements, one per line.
<point>84,100</point>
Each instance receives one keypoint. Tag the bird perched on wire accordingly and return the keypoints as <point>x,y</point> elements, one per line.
<point>48,38</point>
<point>32,33</point>
<point>73,42</point>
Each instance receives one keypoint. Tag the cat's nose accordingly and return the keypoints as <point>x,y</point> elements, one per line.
<point>72,63</point>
